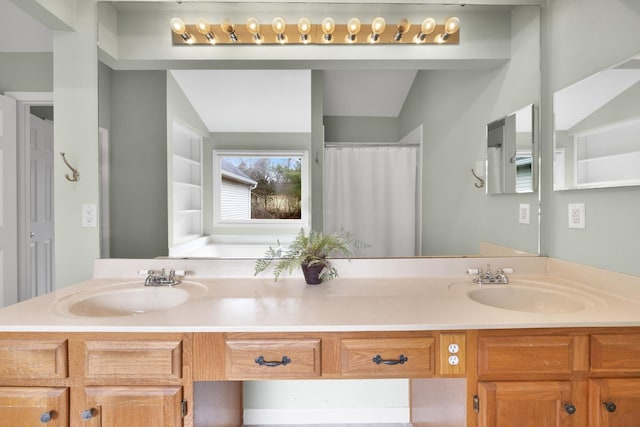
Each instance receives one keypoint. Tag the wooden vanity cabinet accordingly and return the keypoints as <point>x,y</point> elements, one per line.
<point>106,379</point>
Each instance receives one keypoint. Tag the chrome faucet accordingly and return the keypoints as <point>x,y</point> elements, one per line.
<point>500,277</point>
<point>161,278</point>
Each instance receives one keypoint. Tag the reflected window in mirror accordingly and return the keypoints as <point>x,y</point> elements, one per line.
<point>510,153</point>
<point>267,189</point>
<point>597,130</point>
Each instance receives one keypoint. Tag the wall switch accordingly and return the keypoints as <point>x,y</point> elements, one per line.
<point>525,213</point>
<point>576,215</point>
<point>89,216</point>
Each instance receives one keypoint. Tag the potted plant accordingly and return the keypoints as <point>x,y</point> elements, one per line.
<point>310,252</point>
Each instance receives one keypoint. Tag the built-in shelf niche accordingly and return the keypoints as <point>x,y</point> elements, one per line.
<point>187,184</point>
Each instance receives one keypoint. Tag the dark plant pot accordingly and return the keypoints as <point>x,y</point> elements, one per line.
<point>312,273</point>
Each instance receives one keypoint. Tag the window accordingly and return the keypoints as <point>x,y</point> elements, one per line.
<point>267,189</point>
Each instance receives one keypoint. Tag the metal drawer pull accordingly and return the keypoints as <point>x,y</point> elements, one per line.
<point>46,417</point>
<point>284,362</point>
<point>378,360</point>
<point>569,408</point>
<point>610,406</point>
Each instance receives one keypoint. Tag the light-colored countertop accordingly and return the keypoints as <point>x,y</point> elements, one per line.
<point>369,295</point>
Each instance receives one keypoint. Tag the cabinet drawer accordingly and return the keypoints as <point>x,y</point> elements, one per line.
<point>531,357</point>
<point>275,359</point>
<point>615,354</point>
<point>387,357</point>
<point>33,358</point>
<point>132,359</point>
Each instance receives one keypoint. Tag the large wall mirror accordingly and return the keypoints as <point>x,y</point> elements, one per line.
<point>597,130</point>
<point>347,101</point>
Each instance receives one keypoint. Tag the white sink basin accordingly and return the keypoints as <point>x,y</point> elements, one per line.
<point>528,296</point>
<point>126,299</point>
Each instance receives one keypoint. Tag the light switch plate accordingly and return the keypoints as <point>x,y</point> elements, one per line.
<point>577,215</point>
<point>525,213</point>
<point>89,216</point>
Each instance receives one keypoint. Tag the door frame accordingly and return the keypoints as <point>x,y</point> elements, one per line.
<point>24,101</point>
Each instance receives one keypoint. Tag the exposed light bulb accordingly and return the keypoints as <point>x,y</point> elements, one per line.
<point>328,27</point>
<point>204,28</point>
<point>403,27</point>
<point>377,27</point>
<point>253,26</point>
<point>353,28</point>
<point>428,26</point>
<point>279,27</point>
<point>304,27</point>
<point>229,28</point>
<point>178,27</point>
<point>452,25</point>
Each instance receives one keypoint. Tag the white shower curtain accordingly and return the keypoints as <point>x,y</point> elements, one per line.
<point>371,191</point>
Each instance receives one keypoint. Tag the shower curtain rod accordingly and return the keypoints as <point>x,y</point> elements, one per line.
<point>370,144</point>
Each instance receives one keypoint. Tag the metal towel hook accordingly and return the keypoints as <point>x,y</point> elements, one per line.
<point>75,176</point>
<point>481,184</point>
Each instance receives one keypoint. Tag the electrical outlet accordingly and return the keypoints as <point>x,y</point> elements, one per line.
<point>525,213</point>
<point>89,216</point>
<point>576,215</point>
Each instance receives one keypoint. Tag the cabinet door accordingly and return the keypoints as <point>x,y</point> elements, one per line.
<point>529,404</point>
<point>615,402</point>
<point>30,406</point>
<point>130,406</point>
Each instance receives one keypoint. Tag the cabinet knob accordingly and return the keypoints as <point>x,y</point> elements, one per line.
<point>610,406</point>
<point>46,417</point>
<point>569,408</point>
<point>87,414</point>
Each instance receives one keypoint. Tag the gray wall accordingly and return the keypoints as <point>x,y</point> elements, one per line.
<point>138,156</point>
<point>457,216</point>
<point>28,72</point>
<point>611,239</point>
<point>361,129</point>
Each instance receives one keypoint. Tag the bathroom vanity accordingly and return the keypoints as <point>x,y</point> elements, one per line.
<point>472,359</point>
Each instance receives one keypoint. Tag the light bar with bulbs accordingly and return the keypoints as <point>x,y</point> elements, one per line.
<point>327,32</point>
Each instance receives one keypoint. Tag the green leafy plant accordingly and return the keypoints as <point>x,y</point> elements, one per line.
<point>309,249</point>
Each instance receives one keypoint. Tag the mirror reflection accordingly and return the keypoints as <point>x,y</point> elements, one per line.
<point>510,158</point>
<point>597,128</point>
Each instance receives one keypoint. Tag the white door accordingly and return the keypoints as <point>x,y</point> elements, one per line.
<point>8,203</point>
<point>41,225</point>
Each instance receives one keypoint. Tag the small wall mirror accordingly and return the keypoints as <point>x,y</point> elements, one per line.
<point>510,153</point>
<point>597,130</point>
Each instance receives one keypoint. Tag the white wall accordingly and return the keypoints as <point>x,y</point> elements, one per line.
<point>573,51</point>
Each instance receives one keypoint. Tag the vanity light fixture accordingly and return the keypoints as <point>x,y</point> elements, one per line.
<point>253,26</point>
<point>403,27</point>
<point>204,28</point>
<point>328,27</point>
<point>304,27</point>
<point>377,27</point>
<point>279,27</point>
<point>351,32</point>
<point>428,26</point>
<point>229,29</point>
<point>353,28</point>
<point>450,27</point>
<point>178,27</point>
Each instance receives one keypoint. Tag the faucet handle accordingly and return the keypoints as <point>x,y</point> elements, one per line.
<point>474,271</point>
<point>505,270</point>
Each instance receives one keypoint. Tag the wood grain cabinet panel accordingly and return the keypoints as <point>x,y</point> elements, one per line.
<point>32,406</point>
<point>33,358</point>
<point>155,406</point>
<point>615,402</point>
<point>529,404</point>
<point>272,359</point>
<point>531,357</point>
<point>615,354</point>
<point>387,357</point>
<point>126,359</point>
